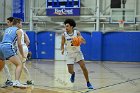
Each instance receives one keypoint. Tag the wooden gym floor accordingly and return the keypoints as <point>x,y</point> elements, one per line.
<point>52,77</point>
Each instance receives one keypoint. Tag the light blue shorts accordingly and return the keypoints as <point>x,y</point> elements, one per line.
<point>7,50</point>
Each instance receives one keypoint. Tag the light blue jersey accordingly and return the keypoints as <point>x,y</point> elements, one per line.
<point>10,35</point>
<point>7,45</point>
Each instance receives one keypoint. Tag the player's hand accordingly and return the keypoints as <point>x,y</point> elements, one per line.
<point>24,59</point>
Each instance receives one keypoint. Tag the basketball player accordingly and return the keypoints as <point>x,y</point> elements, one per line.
<point>6,69</point>
<point>74,53</point>
<point>12,35</point>
<point>25,42</point>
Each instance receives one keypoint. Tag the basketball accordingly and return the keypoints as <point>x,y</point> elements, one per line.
<point>2,63</point>
<point>76,41</point>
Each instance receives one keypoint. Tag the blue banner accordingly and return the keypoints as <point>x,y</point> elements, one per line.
<point>63,11</point>
<point>18,9</point>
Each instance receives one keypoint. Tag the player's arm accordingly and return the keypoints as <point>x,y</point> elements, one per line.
<point>26,38</point>
<point>83,40</point>
<point>62,44</point>
<point>19,34</point>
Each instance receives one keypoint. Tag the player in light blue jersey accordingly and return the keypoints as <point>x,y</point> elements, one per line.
<point>6,69</point>
<point>11,36</point>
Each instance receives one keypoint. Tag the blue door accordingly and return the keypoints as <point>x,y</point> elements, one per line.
<point>46,45</point>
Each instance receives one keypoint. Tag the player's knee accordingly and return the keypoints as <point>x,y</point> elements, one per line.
<point>17,63</point>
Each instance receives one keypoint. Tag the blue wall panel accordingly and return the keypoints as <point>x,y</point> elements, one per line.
<point>46,45</point>
<point>45,52</point>
<point>47,38</point>
<point>96,47</point>
<point>121,46</point>
<point>32,47</point>
<point>86,48</point>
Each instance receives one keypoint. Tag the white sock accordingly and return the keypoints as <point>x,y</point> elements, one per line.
<point>7,73</point>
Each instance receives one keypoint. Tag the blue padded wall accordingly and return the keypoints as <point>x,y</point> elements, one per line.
<point>32,48</point>
<point>96,47</point>
<point>121,46</point>
<point>46,37</point>
<point>86,48</point>
<point>46,45</point>
<point>45,52</point>
<point>111,46</point>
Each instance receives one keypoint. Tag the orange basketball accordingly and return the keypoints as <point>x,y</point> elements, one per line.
<point>2,63</point>
<point>76,41</point>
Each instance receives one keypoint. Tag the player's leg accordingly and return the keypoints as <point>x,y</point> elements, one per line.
<point>29,80</point>
<point>70,65</point>
<point>8,76</point>
<point>80,61</point>
<point>71,71</point>
<point>84,69</point>
<point>17,62</point>
<point>6,69</point>
<point>85,72</point>
<point>28,76</point>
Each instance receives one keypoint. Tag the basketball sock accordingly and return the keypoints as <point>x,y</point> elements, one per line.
<point>7,73</point>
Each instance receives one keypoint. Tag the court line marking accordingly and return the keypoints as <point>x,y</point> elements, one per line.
<point>127,81</point>
<point>89,90</point>
<point>121,76</point>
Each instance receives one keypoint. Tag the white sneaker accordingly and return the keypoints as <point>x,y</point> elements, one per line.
<point>17,84</point>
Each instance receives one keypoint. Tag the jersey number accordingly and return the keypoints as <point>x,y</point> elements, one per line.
<point>8,32</point>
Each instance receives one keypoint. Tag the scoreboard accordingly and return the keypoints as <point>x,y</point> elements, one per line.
<point>63,3</point>
<point>63,7</point>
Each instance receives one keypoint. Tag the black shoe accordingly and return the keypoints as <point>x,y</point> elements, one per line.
<point>29,82</point>
<point>9,83</point>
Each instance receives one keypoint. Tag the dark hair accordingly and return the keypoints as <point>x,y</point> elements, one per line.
<point>16,20</point>
<point>71,22</point>
<point>11,19</point>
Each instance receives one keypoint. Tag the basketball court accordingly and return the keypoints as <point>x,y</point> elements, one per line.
<point>107,77</point>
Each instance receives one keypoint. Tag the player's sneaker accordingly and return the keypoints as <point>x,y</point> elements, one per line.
<point>89,85</point>
<point>72,79</point>
<point>29,82</point>
<point>9,83</point>
<point>17,84</point>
